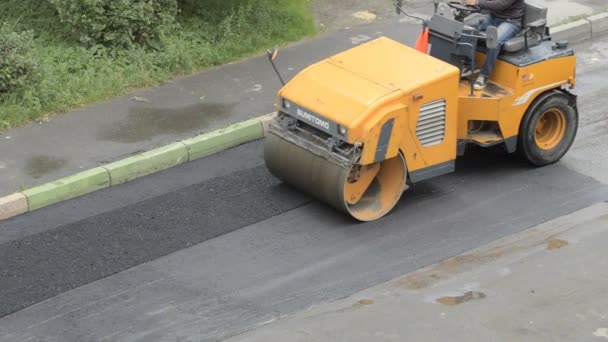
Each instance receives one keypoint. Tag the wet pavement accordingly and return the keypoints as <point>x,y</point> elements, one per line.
<point>148,122</point>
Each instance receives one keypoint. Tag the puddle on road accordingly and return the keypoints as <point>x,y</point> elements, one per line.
<point>415,282</point>
<point>443,269</point>
<point>366,301</point>
<point>39,166</point>
<point>601,332</point>
<point>358,305</point>
<point>467,297</point>
<point>365,15</point>
<point>144,123</point>
<point>556,244</point>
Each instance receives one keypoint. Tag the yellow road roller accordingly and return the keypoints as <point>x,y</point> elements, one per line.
<point>357,129</point>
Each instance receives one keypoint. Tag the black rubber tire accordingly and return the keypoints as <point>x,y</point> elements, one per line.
<point>527,147</point>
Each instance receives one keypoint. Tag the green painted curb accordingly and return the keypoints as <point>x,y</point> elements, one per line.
<point>222,139</point>
<point>67,188</point>
<point>146,163</point>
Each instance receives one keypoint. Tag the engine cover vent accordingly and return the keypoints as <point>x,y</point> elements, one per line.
<point>431,123</point>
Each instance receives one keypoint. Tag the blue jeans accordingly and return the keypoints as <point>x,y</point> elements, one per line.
<point>506,30</point>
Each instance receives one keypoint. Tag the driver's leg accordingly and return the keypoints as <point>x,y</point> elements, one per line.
<point>506,30</point>
<point>480,22</point>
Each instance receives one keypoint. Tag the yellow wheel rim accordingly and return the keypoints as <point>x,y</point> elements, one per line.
<point>550,129</point>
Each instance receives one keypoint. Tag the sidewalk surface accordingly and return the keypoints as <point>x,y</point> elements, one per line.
<point>548,283</point>
<point>73,142</point>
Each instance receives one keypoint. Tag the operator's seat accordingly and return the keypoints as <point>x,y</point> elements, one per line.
<point>534,25</point>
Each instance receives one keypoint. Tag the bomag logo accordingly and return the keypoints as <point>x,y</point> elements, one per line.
<point>312,119</point>
<point>528,76</point>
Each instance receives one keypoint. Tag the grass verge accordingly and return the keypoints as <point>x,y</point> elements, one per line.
<point>212,32</point>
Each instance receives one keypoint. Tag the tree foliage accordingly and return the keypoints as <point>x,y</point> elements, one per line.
<point>117,23</point>
<point>16,62</point>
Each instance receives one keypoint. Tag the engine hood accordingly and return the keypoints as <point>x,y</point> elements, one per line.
<point>330,91</point>
<point>345,86</point>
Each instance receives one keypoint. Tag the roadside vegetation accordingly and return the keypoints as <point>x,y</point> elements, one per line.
<point>56,55</point>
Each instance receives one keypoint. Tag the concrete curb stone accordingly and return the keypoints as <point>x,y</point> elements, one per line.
<point>146,163</point>
<point>222,139</point>
<point>67,188</point>
<point>202,146</point>
<point>13,205</point>
<point>599,24</point>
<point>265,120</point>
<point>573,32</point>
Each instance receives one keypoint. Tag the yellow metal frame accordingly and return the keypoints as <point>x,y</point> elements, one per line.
<point>519,86</point>
<point>366,87</point>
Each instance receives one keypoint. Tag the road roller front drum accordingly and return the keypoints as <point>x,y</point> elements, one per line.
<point>366,192</point>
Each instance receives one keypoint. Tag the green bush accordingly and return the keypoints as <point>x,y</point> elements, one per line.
<point>117,23</point>
<point>17,65</point>
<point>264,19</point>
<point>68,75</point>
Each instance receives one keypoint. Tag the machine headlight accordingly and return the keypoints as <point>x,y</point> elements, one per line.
<point>286,104</point>
<point>342,130</point>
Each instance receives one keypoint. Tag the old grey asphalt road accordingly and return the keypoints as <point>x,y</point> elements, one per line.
<point>213,248</point>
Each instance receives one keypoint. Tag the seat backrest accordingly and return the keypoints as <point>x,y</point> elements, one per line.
<point>534,12</point>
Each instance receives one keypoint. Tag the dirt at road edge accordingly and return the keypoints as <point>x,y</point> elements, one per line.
<point>334,15</point>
